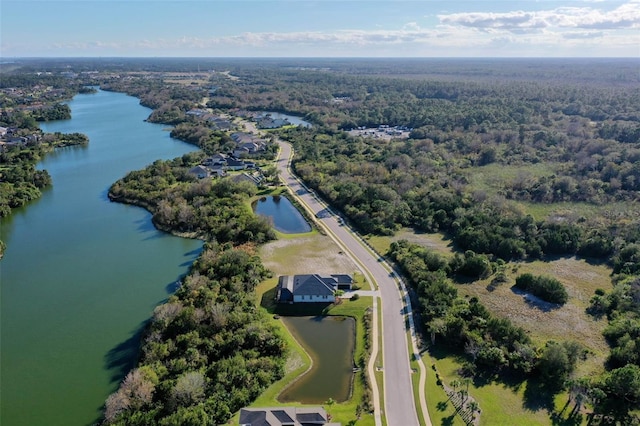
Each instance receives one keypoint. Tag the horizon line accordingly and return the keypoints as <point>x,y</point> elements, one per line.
<point>317,57</point>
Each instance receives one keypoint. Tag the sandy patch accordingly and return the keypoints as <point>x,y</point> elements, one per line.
<point>316,254</point>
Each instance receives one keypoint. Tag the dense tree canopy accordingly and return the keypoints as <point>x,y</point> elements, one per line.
<point>207,352</point>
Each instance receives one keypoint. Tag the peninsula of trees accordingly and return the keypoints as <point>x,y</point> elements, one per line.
<point>512,161</point>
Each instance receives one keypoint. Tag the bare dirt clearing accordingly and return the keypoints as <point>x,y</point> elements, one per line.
<point>313,254</point>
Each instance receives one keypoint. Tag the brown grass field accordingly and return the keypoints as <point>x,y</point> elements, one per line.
<point>311,253</point>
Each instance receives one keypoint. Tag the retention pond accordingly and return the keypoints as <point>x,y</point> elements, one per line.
<point>330,342</point>
<point>284,215</point>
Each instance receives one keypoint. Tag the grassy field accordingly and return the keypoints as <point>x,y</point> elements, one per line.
<point>492,177</point>
<point>503,403</point>
<point>614,211</point>
<point>545,321</point>
<point>436,241</point>
<point>305,254</point>
<point>509,404</point>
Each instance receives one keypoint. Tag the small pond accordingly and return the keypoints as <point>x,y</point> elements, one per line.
<point>285,217</point>
<point>330,341</point>
<point>295,120</point>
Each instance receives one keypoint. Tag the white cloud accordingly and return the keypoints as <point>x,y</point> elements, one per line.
<point>626,16</point>
<point>566,31</point>
<point>411,26</point>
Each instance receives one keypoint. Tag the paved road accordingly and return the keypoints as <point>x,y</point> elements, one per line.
<point>399,408</point>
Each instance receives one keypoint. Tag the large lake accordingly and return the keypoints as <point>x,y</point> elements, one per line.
<point>81,274</point>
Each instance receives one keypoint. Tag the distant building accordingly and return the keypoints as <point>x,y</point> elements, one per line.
<point>216,159</point>
<point>200,172</point>
<point>235,164</point>
<point>272,123</point>
<point>254,178</point>
<point>242,137</point>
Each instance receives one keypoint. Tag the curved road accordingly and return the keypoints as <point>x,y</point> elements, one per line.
<point>399,403</point>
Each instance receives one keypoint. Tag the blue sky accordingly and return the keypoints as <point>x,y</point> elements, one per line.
<point>320,28</point>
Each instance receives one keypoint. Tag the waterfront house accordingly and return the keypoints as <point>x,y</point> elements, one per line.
<point>216,159</point>
<point>311,288</point>
<point>255,178</point>
<point>272,123</point>
<point>241,137</point>
<point>200,172</point>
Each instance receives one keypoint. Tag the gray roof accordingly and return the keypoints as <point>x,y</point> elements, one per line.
<point>199,170</point>
<point>343,278</point>
<point>281,416</point>
<point>311,285</point>
<point>231,162</point>
<point>253,418</point>
<point>310,418</point>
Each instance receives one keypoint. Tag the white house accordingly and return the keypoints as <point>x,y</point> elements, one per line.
<point>310,288</point>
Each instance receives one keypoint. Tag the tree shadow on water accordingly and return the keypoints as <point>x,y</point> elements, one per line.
<point>172,287</point>
<point>122,358</point>
<point>119,361</point>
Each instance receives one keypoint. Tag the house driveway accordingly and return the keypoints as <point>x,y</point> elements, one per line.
<point>370,293</point>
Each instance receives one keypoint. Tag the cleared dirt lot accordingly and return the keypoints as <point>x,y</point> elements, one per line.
<point>307,254</point>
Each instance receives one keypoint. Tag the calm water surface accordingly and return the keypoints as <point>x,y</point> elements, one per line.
<point>330,341</point>
<point>284,215</point>
<point>81,274</point>
<point>293,119</point>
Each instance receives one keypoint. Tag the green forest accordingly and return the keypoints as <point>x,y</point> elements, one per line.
<point>512,161</point>
<point>485,150</point>
<point>207,351</point>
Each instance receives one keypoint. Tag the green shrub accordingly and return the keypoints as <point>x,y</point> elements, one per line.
<point>547,288</point>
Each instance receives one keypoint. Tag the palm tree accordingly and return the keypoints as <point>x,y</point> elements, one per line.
<point>474,407</point>
<point>436,326</point>
<point>466,382</point>
<point>330,403</point>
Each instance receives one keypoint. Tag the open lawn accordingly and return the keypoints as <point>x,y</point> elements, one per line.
<point>504,403</point>
<point>492,177</point>
<point>434,241</point>
<point>619,211</point>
